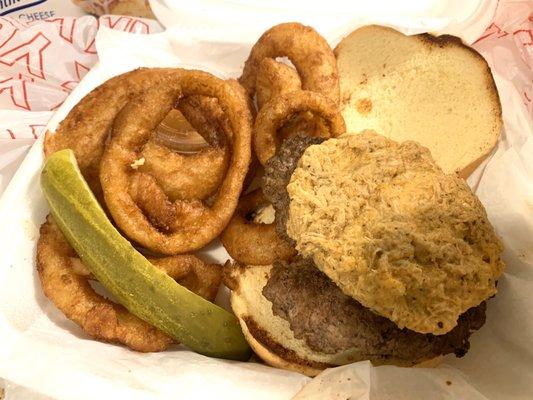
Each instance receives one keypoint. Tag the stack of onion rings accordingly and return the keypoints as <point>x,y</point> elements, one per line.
<point>88,125</point>
<point>160,175</point>
<point>284,110</point>
<point>316,69</point>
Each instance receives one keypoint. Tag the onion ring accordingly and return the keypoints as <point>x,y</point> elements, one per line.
<point>86,128</point>
<point>65,281</point>
<point>306,49</point>
<point>278,110</point>
<point>274,78</point>
<point>194,224</point>
<point>197,175</point>
<point>254,243</point>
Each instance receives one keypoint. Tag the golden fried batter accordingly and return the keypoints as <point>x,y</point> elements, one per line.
<point>250,241</point>
<point>88,125</point>
<point>273,79</point>
<point>305,48</point>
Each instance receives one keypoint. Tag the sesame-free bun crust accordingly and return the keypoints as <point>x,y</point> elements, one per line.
<point>270,336</point>
<point>434,90</point>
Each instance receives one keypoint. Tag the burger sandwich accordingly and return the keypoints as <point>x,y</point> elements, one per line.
<point>395,259</point>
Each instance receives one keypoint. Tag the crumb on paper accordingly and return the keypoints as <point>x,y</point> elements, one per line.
<point>137,163</point>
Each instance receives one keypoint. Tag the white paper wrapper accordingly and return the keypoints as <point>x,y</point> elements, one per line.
<point>18,131</point>
<point>49,355</point>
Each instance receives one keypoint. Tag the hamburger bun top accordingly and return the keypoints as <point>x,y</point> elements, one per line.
<point>393,231</point>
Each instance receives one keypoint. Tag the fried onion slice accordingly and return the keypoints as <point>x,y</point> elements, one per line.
<point>88,124</point>
<point>277,111</point>
<point>254,243</point>
<point>193,224</point>
<point>66,282</point>
<point>309,52</point>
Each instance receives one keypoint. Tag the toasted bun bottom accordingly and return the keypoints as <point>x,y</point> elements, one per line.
<point>271,358</point>
<point>270,336</point>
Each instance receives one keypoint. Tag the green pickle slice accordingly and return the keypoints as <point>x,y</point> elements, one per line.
<point>144,290</point>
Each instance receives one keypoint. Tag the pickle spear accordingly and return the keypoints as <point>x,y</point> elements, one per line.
<point>144,290</point>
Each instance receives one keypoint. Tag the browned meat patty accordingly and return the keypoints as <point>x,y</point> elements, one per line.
<point>329,321</point>
<point>278,171</point>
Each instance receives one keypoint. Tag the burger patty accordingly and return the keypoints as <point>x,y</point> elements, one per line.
<point>330,321</point>
<point>278,171</point>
